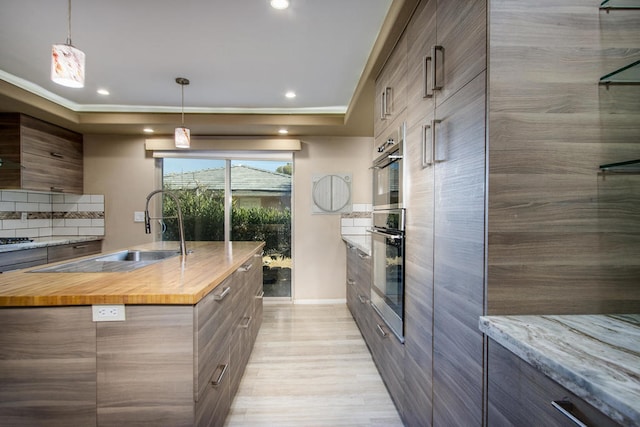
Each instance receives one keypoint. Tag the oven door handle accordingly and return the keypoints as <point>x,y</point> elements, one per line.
<point>387,235</point>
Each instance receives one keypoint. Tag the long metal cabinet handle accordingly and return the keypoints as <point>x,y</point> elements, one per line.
<point>224,293</point>
<point>565,407</point>
<point>246,325</point>
<point>434,157</point>
<point>427,90</point>
<point>434,60</point>
<point>427,146</point>
<point>57,155</point>
<point>381,331</point>
<point>383,104</point>
<point>223,370</point>
<point>57,189</point>
<point>80,246</point>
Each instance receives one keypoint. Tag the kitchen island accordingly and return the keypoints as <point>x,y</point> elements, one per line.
<point>587,365</point>
<point>176,359</point>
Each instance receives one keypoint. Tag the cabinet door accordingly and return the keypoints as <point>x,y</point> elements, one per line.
<point>73,250</point>
<point>418,321</point>
<point>519,395</point>
<point>421,37</point>
<point>351,281</point>
<point>462,33</point>
<point>391,88</point>
<point>459,177</point>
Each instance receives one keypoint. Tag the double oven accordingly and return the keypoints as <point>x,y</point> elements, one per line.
<point>387,233</point>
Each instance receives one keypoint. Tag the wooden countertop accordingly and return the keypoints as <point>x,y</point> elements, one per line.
<point>165,282</point>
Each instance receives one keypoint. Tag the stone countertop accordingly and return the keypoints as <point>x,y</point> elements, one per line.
<point>170,281</point>
<point>361,241</point>
<point>597,357</point>
<point>43,242</point>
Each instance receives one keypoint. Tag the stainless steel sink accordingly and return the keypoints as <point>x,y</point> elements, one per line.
<point>122,261</point>
<point>131,255</point>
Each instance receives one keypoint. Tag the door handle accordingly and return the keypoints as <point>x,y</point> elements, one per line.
<point>434,60</point>
<point>427,90</point>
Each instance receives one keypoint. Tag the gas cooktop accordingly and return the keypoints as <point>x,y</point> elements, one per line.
<point>14,240</point>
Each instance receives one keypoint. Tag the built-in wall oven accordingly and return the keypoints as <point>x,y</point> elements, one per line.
<point>387,233</point>
<point>387,290</point>
<point>388,171</point>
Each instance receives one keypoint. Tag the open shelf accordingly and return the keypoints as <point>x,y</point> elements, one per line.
<point>627,75</point>
<point>620,4</point>
<point>630,166</point>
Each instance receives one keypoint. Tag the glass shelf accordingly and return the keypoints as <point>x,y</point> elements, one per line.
<point>627,75</point>
<point>630,166</point>
<point>620,4</point>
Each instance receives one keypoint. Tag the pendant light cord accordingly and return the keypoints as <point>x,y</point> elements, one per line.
<point>69,25</point>
<point>182,86</point>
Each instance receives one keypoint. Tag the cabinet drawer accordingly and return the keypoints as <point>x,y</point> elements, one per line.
<point>213,322</point>
<point>16,260</point>
<point>73,250</point>
<point>520,395</point>
<point>213,405</point>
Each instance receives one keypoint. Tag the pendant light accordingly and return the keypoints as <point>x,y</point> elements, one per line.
<point>67,62</point>
<point>182,134</point>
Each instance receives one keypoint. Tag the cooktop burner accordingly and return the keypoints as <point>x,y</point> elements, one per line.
<point>14,240</point>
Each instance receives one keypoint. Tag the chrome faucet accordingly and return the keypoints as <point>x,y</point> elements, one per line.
<point>147,218</point>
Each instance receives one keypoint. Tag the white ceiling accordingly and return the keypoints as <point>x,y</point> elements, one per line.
<point>241,56</point>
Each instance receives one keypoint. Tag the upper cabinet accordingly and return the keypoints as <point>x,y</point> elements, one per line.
<point>39,156</point>
<point>391,88</point>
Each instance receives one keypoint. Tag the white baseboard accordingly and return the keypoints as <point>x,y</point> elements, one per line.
<point>321,301</point>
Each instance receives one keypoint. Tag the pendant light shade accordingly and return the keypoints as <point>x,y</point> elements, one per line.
<point>67,62</point>
<point>182,137</point>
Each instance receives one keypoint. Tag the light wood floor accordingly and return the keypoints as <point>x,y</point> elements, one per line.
<point>311,367</point>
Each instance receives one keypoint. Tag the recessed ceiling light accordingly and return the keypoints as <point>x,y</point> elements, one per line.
<point>147,130</point>
<point>283,131</point>
<point>291,94</point>
<point>103,92</point>
<point>280,4</point>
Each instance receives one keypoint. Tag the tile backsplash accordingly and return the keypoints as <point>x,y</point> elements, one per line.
<point>27,214</point>
<point>357,221</point>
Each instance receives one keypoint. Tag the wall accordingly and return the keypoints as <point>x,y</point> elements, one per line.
<point>47,215</point>
<point>319,252</point>
<point>119,168</point>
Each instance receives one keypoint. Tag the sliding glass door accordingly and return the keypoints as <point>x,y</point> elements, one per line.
<point>259,208</point>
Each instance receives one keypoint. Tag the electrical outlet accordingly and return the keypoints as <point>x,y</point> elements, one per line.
<point>24,217</point>
<point>108,313</point>
<point>138,216</point>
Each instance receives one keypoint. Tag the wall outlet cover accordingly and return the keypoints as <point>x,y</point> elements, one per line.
<point>108,313</point>
<point>138,216</point>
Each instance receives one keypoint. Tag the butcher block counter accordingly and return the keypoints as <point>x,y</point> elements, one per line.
<point>166,282</point>
<point>174,357</point>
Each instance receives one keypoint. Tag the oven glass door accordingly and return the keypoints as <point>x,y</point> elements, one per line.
<point>387,292</point>
<point>387,182</point>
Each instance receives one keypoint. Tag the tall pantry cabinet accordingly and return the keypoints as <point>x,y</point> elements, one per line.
<point>445,146</point>
<point>507,210</point>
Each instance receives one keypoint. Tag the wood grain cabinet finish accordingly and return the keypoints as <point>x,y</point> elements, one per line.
<point>358,285</point>
<point>15,260</point>
<point>73,250</point>
<point>391,89</point>
<point>47,367</point>
<point>50,157</point>
<point>519,395</point>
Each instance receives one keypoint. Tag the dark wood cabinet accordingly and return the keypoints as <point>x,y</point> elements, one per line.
<point>519,395</point>
<point>41,156</point>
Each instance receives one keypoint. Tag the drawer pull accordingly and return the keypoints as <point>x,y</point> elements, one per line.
<point>565,407</point>
<point>363,300</point>
<point>381,331</point>
<point>57,189</point>
<point>246,325</point>
<point>80,246</point>
<point>363,255</point>
<point>245,267</point>
<point>223,370</point>
<point>351,282</point>
<point>56,155</point>
<point>260,295</point>
<point>224,293</point>
<point>434,78</point>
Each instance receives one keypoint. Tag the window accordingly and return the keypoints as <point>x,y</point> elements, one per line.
<point>260,208</point>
